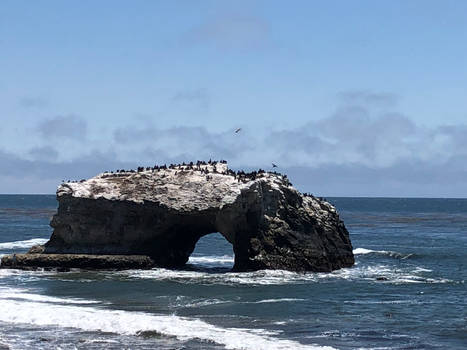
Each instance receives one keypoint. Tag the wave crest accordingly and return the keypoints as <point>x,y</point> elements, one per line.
<point>137,323</point>
<point>392,254</point>
<point>23,244</point>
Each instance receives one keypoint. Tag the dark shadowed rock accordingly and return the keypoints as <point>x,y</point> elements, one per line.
<point>84,261</point>
<point>161,214</point>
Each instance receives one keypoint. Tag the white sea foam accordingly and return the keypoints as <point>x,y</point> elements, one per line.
<point>376,273</point>
<point>364,251</point>
<point>367,302</point>
<point>132,323</point>
<point>421,269</point>
<point>208,260</point>
<point>280,300</point>
<point>389,274</point>
<point>24,276</point>
<point>208,302</point>
<point>23,244</point>
<point>21,294</point>
<point>358,251</point>
<point>263,277</point>
<point>381,273</point>
<point>197,302</point>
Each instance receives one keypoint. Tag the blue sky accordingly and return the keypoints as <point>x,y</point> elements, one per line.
<point>351,98</point>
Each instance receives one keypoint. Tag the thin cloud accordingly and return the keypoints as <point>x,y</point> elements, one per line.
<point>358,150</point>
<point>43,153</point>
<point>86,165</point>
<point>197,97</point>
<point>182,142</point>
<point>349,136</point>
<point>405,178</point>
<point>231,32</point>
<point>368,98</point>
<point>64,127</point>
<point>32,102</point>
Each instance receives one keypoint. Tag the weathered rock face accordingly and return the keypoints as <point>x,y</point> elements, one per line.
<point>162,213</point>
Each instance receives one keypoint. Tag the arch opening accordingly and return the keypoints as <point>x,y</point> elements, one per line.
<point>212,252</point>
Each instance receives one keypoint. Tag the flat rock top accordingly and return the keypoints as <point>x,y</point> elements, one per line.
<point>182,188</point>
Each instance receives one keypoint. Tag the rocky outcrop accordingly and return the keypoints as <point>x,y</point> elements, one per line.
<point>161,213</point>
<point>84,261</point>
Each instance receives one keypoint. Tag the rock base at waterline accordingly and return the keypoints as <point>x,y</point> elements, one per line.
<point>84,261</point>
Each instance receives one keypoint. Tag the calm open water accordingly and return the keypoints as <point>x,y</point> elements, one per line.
<point>406,291</point>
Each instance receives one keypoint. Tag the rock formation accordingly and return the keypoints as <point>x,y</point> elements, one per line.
<point>161,213</point>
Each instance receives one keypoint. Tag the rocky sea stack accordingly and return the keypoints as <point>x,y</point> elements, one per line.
<point>154,217</point>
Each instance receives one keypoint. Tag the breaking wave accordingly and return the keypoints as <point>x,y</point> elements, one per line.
<point>210,302</point>
<point>211,260</point>
<point>21,294</point>
<point>377,273</point>
<point>42,311</point>
<point>23,244</point>
<point>364,251</point>
<point>280,300</point>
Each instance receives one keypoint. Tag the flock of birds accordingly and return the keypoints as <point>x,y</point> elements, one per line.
<point>207,168</point>
<point>240,175</point>
<point>201,166</point>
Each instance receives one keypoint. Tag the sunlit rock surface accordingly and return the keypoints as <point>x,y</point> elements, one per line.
<point>162,212</point>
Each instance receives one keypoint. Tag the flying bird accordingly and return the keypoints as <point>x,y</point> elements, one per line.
<point>238,130</point>
<point>274,165</point>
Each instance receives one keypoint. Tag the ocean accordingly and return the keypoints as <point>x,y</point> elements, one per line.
<point>406,291</point>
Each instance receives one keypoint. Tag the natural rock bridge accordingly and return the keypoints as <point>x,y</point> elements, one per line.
<point>155,216</point>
